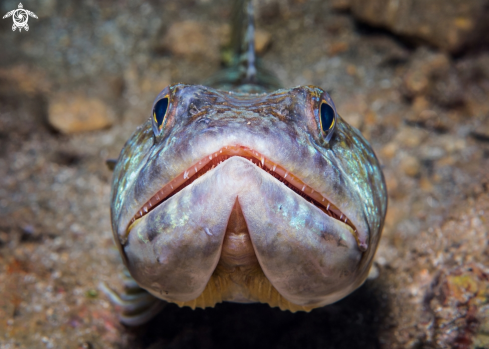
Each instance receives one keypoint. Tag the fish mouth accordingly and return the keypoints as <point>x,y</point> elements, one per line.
<point>208,163</point>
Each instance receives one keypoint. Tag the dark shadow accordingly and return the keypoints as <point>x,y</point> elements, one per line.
<point>353,322</point>
<point>368,30</point>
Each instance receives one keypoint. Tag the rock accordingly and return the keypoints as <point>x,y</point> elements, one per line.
<point>353,110</point>
<point>422,69</point>
<point>262,40</point>
<point>72,113</point>
<point>391,182</point>
<point>452,144</point>
<point>23,80</point>
<point>475,74</point>
<point>430,120</point>
<point>389,150</point>
<point>340,5</point>
<point>410,137</point>
<point>420,103</point>
<point>432,76</point>
<point>459,306</point>
<point>481,131</point>
<point>447,89</point>
<point>448,24</point>
<point>194,39</point>
<point>410,166</point>
<point>355,120</point>
<point>143,82</point>
<point>267,11</point>
<point>335,48</point>
<point>431,153</point>
<point>46,8</point>
<point>147,79</point>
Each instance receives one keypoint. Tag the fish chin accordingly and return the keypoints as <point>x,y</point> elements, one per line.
<point>238,220</point>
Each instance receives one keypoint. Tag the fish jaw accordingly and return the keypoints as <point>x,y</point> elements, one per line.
<point>309,257</point>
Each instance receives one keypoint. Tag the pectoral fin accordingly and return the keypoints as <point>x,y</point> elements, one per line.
<point>111,163</point>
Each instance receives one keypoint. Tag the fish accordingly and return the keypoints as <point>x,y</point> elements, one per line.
<point>240,190</point>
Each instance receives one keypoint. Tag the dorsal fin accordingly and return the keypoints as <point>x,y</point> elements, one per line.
<point>243,40</point>
<point>244,73</point>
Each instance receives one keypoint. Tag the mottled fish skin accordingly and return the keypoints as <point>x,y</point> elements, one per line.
<point>310,258</point>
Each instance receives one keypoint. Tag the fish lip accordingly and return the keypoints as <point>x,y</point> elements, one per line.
<point>188,176</point>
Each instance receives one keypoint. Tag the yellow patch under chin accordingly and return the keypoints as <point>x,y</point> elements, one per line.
<point>246,286</point>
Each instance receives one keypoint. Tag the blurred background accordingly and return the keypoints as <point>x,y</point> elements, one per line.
<point>413,76</point>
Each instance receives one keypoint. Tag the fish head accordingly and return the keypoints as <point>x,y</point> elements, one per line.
<point>275,188</point>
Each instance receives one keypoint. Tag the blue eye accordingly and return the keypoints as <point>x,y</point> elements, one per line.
<point>327,119</point>
<point>159,113</point>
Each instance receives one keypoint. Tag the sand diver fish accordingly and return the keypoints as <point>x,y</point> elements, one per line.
<point>240,191</point>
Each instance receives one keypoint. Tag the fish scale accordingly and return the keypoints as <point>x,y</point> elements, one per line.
<point>240,191</point>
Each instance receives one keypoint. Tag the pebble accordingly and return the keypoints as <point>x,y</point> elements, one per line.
<point>451,143</point>
<point>410,166</point>
<point>73,113</point>
<point>421,69</point>
<point>410,137</point>
<point>391,182</point>
<point>430,152</point>
<point>336,48</point>
<point>354,109</point>
<point>389,150</point>
<point>374,272</point>
<point>262,40</point>
<point>354,119</point>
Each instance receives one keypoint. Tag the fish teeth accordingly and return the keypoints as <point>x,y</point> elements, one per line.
<point>304,187</point>
<point>274,167</point>
<point>185,175</point>
<point>286,174</point>
<point>262,161</point>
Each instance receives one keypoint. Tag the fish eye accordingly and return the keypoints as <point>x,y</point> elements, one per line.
<point>159,113</point>
<point>327,119</point>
